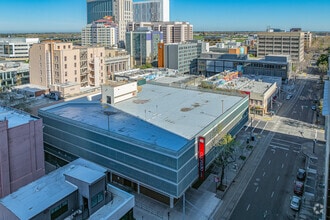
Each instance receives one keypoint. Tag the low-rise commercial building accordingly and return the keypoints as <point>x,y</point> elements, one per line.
<point>272,65</point>
<point>14,74</point>
<point>78,190</point>
<point>16,48</point>
<point>158,142</point>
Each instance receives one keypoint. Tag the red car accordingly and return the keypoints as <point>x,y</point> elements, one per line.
<point>298,188</point>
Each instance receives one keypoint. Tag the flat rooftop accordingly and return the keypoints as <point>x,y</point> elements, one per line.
<point>163,116</point>
<point>39,195</point>
<point>15,117</point>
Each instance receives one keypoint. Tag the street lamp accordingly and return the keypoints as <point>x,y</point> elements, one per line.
<point>222,106</point>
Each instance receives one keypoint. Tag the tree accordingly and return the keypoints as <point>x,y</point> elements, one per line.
<point>225,149</point>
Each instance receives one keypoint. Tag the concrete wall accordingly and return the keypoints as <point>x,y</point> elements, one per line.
<point>22,155</point>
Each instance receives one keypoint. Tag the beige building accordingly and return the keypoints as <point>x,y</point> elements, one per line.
<point>61,64</point>
<point>117,60</point>
<point>173,32</point>
<point>123,13</point>
<point>285,43</point>
<point>308,39</point>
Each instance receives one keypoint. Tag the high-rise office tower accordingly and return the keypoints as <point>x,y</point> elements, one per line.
<point>121,10</point>
<point>151,10</point>
<point>98,9</point>
<point>123,13</point>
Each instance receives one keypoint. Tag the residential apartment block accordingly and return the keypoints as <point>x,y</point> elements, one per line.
<point>22,150</point>
<point>117,60</point>
<point>16,48</point>
<point>151,11</point>
<point>62,65</point>
<point>103,32</point>
<point>173,32</point>
<point>142,44</point>
<point>281,43</point>
<point>78,190</point>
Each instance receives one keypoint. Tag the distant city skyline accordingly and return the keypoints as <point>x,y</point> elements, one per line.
<point>34,16</point>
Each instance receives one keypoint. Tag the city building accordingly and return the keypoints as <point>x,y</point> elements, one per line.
<point>16,48</point>
<point>281,43</point>
<point>117,60</point>
<point>22,150</point>
<point>261,91</point>
<point>121,10</point>
<point>173,31</point>
<point>181,56</point>
<point>272,65</point>
<point>78,190</point>
<point>151,10</point>
<point>14,74</point>
<point>98,9</point>
<point>123,13</point>
<point>326,114</point>
<point>308,37</point>
<point>66,68</point>
<point>102,32</point>
<point>157,143</point>
<point>142,45</point>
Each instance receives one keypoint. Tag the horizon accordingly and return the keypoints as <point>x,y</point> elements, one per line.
<point>62,16</point>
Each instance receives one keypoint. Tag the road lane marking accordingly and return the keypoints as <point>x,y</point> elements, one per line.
<point>296,151</point>
<point>282,165</point>
<point>247,209</point>
<point>264,127</point>
<point>255,126</point>
<point>278,147</point>
<point>257,188</point>
<point>286,155</point>
<point>272,195</point>
<point>278,178</point>
<point>269,161</point>
<point>264,174</point>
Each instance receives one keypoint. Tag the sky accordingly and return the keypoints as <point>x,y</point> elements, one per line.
<point>35,16</point>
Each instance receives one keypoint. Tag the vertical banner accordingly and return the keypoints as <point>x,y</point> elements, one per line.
<point>201,157</point>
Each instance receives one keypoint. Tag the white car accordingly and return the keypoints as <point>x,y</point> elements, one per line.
<point>295,203</point>
<point>288,97</point>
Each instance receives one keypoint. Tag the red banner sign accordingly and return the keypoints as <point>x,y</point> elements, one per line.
<point>201,157</point>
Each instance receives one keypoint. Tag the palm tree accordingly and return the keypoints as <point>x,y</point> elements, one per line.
<point>225,149</point>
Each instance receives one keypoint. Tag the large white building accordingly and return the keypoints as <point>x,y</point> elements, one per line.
<point>16,48</point>
<point>151,10</point>
<point>103,32</point>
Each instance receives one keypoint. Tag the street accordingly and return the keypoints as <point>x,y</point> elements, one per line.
<point>268,193</point>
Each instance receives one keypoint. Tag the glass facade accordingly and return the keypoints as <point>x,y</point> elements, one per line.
<point>97,9</point>
<point>169,172</point>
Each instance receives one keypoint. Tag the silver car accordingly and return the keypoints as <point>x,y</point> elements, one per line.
<point>295,203</point>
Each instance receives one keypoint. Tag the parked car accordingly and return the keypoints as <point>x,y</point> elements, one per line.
<point>313,107</point>
<point>298,188</point>
<point>295,203</point>
<point>301,174</point>
<point>288,97</point>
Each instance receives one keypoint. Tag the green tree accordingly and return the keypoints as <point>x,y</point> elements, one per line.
<point>225,149</point>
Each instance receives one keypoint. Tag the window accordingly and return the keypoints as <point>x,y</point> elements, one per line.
<point>75,57</point>
<point>75,64</point>
<point>97,199</point>
<point>59,210</point>
<point>75,79</point>
<point>65,58</point>
<point>65,66</point>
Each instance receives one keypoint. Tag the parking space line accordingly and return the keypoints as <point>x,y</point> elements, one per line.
<point>282,165</point>
<point>247,209</point>
<point>257,188</point>
<point>264,174</point>
<point>278,178</point>
<point>269,161</point>
<point>272,194</point>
